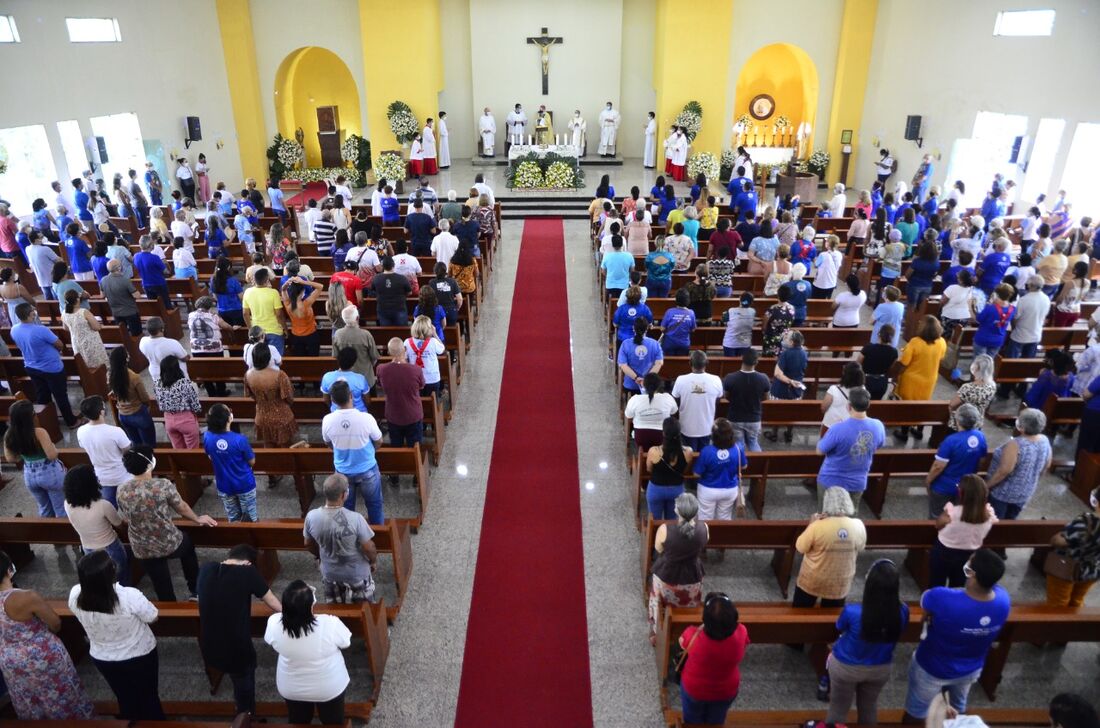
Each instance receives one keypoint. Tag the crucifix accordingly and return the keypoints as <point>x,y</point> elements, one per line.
<point>544,42</point>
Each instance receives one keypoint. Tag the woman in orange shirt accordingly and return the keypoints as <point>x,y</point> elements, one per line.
<point>921,359</point>
<point>304,338</point>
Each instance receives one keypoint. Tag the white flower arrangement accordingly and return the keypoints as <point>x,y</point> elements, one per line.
<point>390,166</point>
<point>349,150</point>
<point>691,122</point>
<point>559,175</point>
<point>403,123</point>
<point>818,162</point>
<point>703,163</point>
<point>728,158</point>
<point>782,122</point>
<point>324,174</point>
<point>744,121</point>
<point>528,176</point>
<point>291,153</point>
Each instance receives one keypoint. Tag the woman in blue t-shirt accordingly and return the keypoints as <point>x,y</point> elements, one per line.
<point>638,356</point>
<point>859,666</point>
<point>790,369</point>
<point>677,325</point>
<point>228,291</point>
<point>719,468</point>
<point>993,321</point>
<point>921,271</point>
<point>629,311</point>
<point>668,203</point>
<point>429,306</point>
<point>99,260</point>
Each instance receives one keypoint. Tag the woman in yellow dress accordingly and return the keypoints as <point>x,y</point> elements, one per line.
<point>921,359</point>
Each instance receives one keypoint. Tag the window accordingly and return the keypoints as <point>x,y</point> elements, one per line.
<point>30,167</point>
<point>986,153</point>
<point>72,145</point>
<point>1024,22</point>
<point>1041,164</point>
<point>125,149</point>
<point>93,30</point>
<point>1079,179</point>
<point>8,31</point>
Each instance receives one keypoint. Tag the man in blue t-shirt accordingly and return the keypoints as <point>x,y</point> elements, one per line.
<point>151,268</point>
<point>848,447</point>
<point>993,267</point>
<point>352,435</point>
<point>346,359</point>
<point>421,228</point>
<point>391,207</point>
<point>617,266</point>
<point>79,251</point>
<point>959,454</point>
<point>746,203</point>
<point>41,351</point>
<point>233,459</point>
<point>800,291</point>
<point>962,624</point>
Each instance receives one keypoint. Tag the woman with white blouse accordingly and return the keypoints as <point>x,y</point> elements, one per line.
<point>959,305</point>
<point>311,673</point>
<point>848,303</point>
<point>828,268</point>
<point>835,403</point>
<point>123,648</point>
<point>647,412</point>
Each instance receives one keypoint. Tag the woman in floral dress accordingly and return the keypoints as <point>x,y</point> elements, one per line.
<point>978,391</point>
<point>83,331</point>
<point>777,319</point>
<point>273,392</point>
<point>41,679</point>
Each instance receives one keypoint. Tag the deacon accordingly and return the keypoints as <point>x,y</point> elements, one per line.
<point>609,130</point>
<point>679,155</point>
<point>579,127</point>
<point>427,143</point>
<point>649,160</point>
<point>515,123</point>
<point>444,142</point>
<point>487,127</point>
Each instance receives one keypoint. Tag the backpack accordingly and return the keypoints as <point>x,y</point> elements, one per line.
<point>418,350</point>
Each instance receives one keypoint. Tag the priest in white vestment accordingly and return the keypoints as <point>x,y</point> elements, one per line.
<point>487,128</point>
<point>649,158</point>
<point>579,127</point>
<point>427,141</point>
<point>609,130</point>
<point>517,126</point>
<point>444,142</point>
<point>679,156</point>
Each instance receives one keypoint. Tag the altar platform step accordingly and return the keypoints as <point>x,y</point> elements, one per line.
<point>567,208</point>
<point>590,161</point>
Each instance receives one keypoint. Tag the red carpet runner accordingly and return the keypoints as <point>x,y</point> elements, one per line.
<point>526,658</point>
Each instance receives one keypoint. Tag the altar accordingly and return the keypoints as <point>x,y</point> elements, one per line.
<point>521,150</point>
<point>770,156</point>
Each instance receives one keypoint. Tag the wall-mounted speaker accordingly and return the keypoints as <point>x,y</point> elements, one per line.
<point>101,149</point>
<point>912,128</point>
<point>194,130</point>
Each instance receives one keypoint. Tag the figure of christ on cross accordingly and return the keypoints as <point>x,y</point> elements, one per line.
<point>544,42</point>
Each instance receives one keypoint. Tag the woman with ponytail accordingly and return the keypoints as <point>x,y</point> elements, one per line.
<point>646,412</point>
<point>639,356</point>
<point>83,330</point>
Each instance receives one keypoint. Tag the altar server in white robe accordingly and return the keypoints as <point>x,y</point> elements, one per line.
<point>517,125</point>
<point>609,130</point>
<point>679,156</point>
<point>416,157</point>
<point>444,142</point>
<point>579,127</point>
<point>649,160</point>
<point>487,127</point>
<point>427,138</point>
<point>670,140</point>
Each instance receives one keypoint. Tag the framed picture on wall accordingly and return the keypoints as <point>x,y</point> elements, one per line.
<point>846,136</point>
<point>327,119</point>
<point>762,107</point>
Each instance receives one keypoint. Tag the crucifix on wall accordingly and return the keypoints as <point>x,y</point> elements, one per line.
<point>544,42</point>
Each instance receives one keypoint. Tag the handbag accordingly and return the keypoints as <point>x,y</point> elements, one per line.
<point>678,661</point>
<point>1060,566</point>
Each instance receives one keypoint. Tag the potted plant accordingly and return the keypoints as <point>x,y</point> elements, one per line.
<point>725,172</point>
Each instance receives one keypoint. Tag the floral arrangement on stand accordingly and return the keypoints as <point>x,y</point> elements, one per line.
<point>782,123</point>
<point>744,121</point>
<point>552,171</point>
<point>726,164</point>
<point>356,150</point>
<point>390,166</point>
<point>283,155</point>
<point>818,162</point>
<point>691,118</point>
<point>703,163</point>
<point>403,122</point>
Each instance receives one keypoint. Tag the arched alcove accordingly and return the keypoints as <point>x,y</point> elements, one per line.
<point>787,74</point>
<point>308,78</point>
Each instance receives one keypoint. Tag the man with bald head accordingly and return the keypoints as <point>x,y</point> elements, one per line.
<point>120,293</point>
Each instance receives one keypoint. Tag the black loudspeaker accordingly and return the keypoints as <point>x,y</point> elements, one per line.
<point>194,130</point>
<point>912,128</point>
<point>101,148</point>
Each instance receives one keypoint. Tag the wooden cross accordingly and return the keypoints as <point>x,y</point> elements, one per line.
<point>544,42</point>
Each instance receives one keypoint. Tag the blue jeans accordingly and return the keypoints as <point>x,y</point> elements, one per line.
<point>674,349</point>
<point>276,342</point>
<point>1005,511</point>
<point>437,387</point>
<point>706,712</point>
<point>924,687</point>
<point>661,500</point>
<point>697,443</point>
<point>160,292</point>
<point>1016,350</point>
<point>118,554</point>
<point>917,294</point>
<point>45,479</point>
<point>393,318</point>
<point>406,435</point>
<point>658,288</point>
<point>990,350</point>
<point>47,293</point>
<point>748,433</point>
<point>240,507</point>
<point>139,427</point>
<point>723,291</point>
<point>370,484</point>
<point>734,350</point>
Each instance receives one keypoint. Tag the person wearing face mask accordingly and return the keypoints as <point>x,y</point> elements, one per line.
<point>579,127</point>
<point>679,151</point>
<point>609,130</point>
<point>649,158</point>
<point>186,178</point>
<point>516,124</point>
<point>487,128</point>
<point>148,504</point>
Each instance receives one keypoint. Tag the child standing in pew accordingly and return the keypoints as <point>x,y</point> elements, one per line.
<point>183,260</point>
<point>233,459</point>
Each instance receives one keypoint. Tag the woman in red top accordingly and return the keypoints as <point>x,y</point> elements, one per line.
<point>712,671</point>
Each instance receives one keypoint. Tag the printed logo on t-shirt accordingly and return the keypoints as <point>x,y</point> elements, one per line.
<point>221,444</point>
<point>344,424</point>
<point>984,621</point>
<point>842,534</point>
<point>972,442</point>
<point>723,455</point>
<point>632,311</point>
<point>640,351</point>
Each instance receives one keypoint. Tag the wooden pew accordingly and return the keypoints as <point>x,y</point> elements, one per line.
<point>47,418</point>
<point>913,536</point>
<point>268,536</point>
<point>92,381</point>
<point>173,322</point>
<point>186,468</point>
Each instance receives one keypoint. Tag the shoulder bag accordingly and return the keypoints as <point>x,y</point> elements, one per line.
<point>680,660</point>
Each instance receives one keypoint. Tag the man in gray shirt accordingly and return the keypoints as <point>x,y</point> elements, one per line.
<point>1027,326</point>
<point>120,293</point>
<point>341,539</point>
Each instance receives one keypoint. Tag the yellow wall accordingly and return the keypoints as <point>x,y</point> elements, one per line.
<point>690,63</point>
<point>308,78</point>
<point>853,63</point>
<point>784,72</point>
<point>239,50</point>
<point>416,78</point>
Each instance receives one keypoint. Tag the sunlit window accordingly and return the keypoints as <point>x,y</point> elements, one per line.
<point>93,30</point>
<point>28,166</point>
<point>1040,166</point>
<point>1024,22</point>
<point>1079,179</point>
<point>8,31</point>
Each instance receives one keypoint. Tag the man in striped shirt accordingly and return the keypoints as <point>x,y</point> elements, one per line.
<point>324,232</point>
